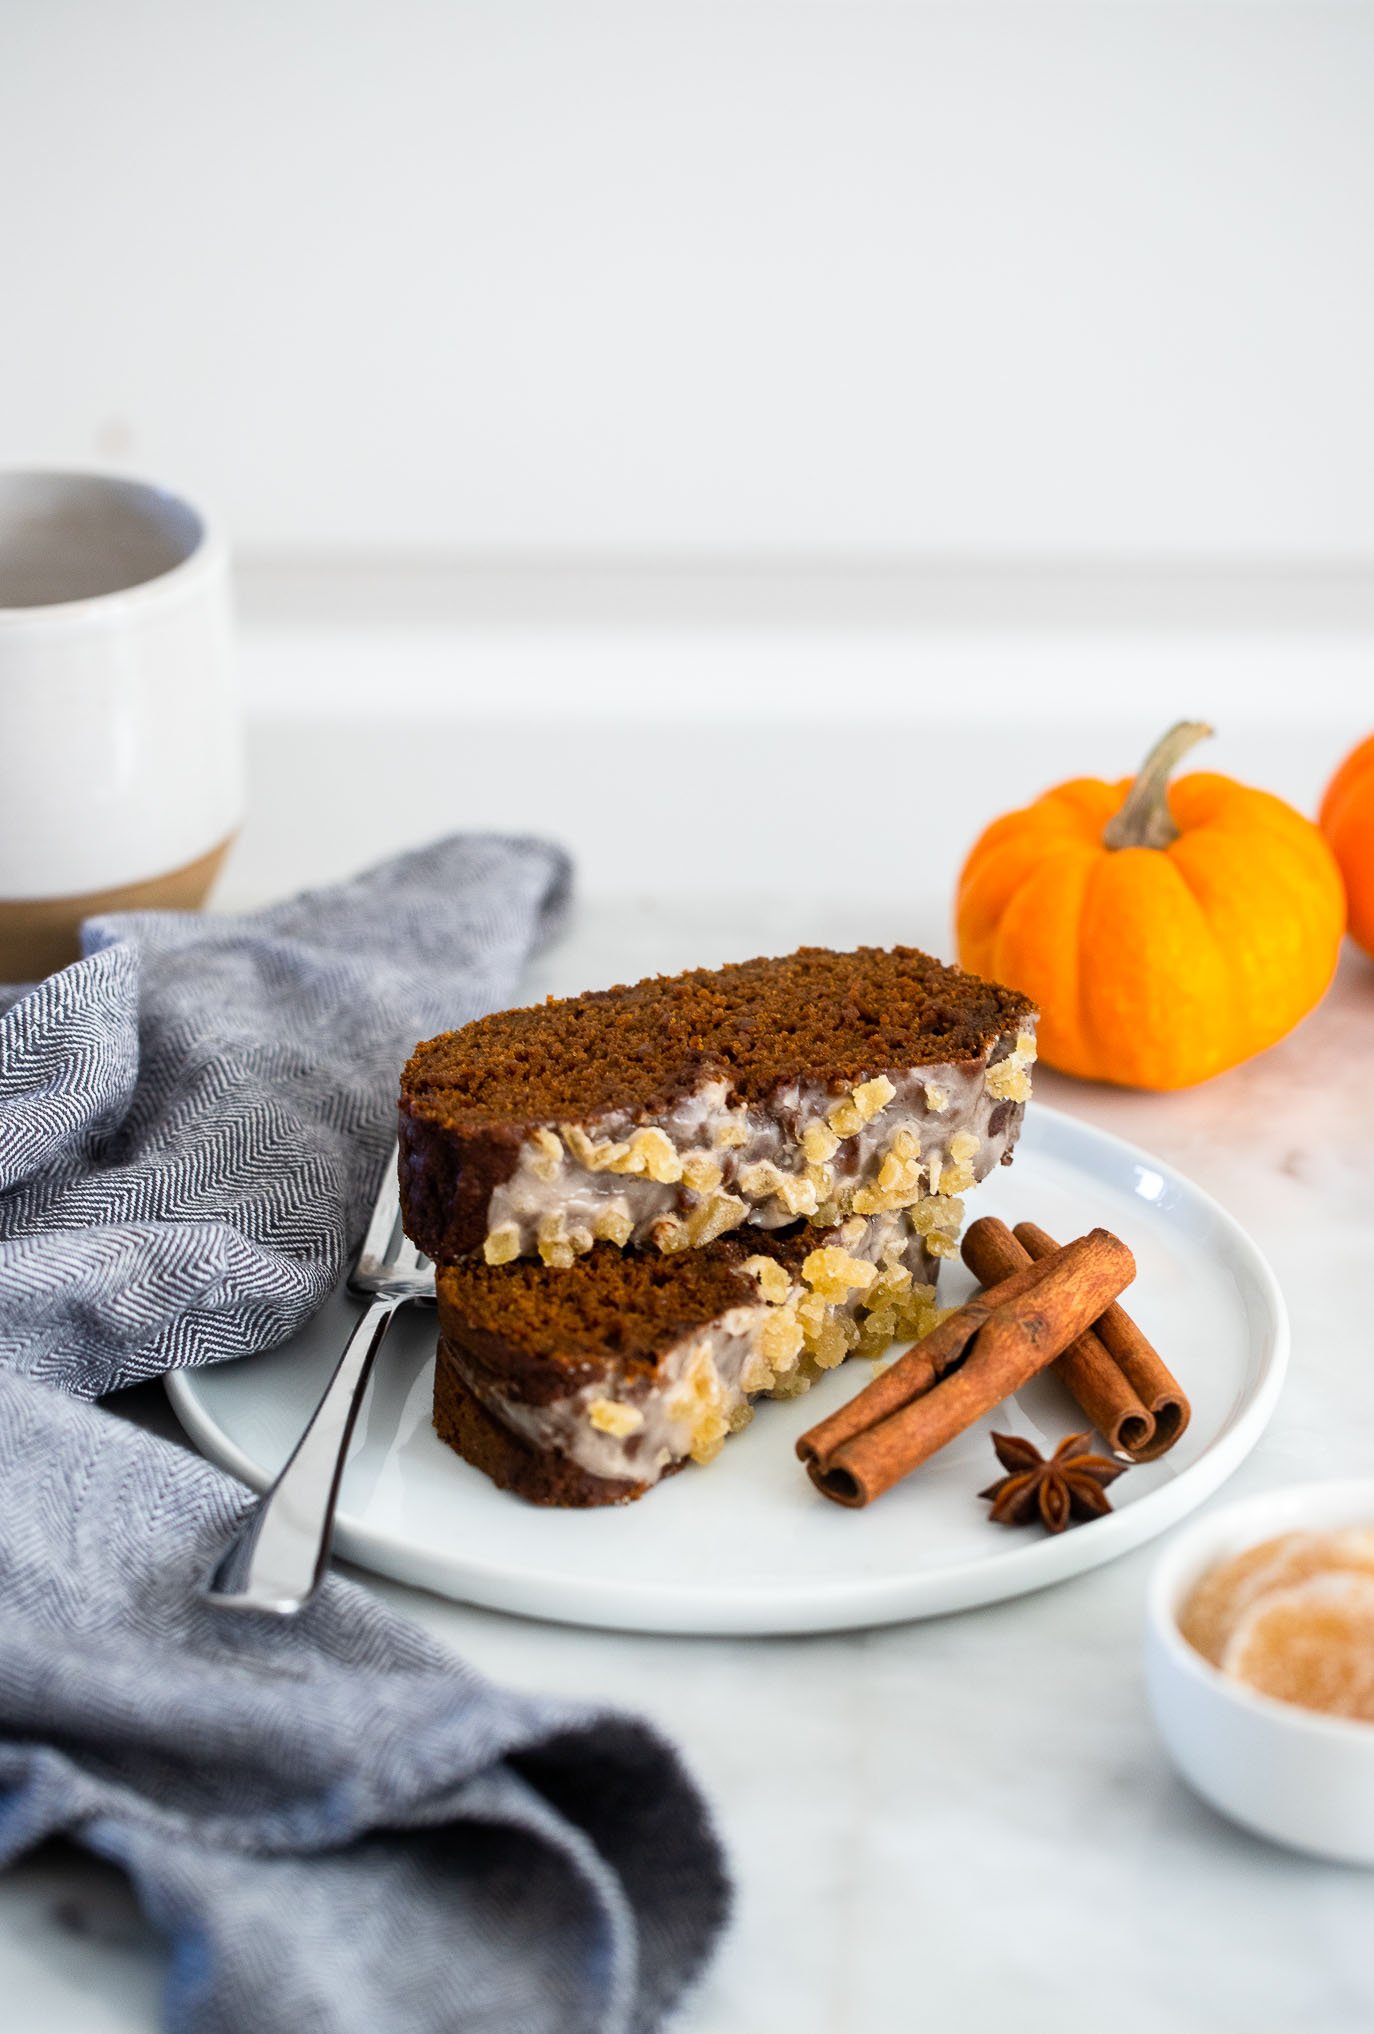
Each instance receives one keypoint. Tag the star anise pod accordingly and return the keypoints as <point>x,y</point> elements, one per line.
<point>1060,1488</point>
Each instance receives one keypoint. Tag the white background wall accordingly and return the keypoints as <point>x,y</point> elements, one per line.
<point>1059,278</point>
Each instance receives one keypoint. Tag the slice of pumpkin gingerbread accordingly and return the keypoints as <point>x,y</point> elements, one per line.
<point>587,1385</point>
<point>667,1114</point>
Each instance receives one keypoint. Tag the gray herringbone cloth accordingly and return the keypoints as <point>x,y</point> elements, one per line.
<point>339,1828</point>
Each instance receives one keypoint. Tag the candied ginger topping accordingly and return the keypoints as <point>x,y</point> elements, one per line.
<point>833,1274</point>
<point>1009,1080</point>
<point>610,1416</point>
<point>502,1244</point>
<point>774,1284</point>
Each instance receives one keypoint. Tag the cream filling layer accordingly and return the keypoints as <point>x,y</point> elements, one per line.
<point>705,1167</point>
<point>865,1284</point>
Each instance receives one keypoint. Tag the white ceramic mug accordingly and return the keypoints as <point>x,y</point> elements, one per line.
<point>121,764</point>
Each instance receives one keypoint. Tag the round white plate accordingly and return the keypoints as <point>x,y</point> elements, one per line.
<point>747,1545</point>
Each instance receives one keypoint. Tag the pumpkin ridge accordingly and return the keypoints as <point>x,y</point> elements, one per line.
<point>1280,983</point>
<point>1185,877</point>
<point>1155,990</point>
<point>1087,1032</point>
<point>989,887</point>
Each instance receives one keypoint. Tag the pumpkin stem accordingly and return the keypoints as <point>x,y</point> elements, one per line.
<point>1145,819</point>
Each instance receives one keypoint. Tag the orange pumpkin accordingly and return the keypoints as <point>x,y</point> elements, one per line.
<point>1347,820</point>
<point>1166,932</point>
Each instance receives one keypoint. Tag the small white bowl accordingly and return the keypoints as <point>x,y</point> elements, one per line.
<point>1292,1774</point>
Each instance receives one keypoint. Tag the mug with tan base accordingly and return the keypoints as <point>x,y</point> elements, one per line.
<point>121,766</point>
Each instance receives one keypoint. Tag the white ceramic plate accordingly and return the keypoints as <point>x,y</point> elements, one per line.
<point>747,1545</point>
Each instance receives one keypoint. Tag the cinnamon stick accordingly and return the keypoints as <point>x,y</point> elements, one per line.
<point>919,1369</point>
<point>1086,1369</point>
<point>1011,1341</point>
<point>1140,1363</point>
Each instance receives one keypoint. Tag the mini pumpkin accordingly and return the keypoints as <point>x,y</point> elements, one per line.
<point>1347,820</point>
<point>1165,931</point>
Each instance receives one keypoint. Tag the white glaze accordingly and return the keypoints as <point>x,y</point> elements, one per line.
<point>578,1197</point>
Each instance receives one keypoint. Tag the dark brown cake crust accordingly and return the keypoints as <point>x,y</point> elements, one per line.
<point>469,1097</point>
<point>540,1478</point>
<point>838,1017</point>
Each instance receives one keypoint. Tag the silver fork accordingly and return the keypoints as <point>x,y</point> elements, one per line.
<point>278,1557</point>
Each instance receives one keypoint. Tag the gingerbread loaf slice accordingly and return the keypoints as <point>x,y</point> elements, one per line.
<point>587,1385</point>
<point>672,1112</point>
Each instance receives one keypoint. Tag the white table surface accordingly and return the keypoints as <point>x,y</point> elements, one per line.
<point>963,1825</point>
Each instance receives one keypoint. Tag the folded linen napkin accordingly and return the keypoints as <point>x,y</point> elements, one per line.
<point>337,1825</point>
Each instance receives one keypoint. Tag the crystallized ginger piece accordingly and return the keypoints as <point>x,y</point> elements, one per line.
<point>545,1154</point>
<point>870,1098</point>
<point>781,1340</point>
<point>917,1313</point>
<point>795,1381</point>
<point>832,1341</point>
<point>610,1416</point>
<point>757,1372</point>
<point>713,1218</point>
<point>876,1330</point>
<point>774,1284</point>
<point>502,1244</point>
<point>820,1142</point>
<point>899,1175</point>
<point>903,1190</point>
<point>606,1156</point>
<point>1009,1080</point>
<point>701,1172</point>
<point>662,1161</point>
<point>699,1387</point>
<point>933,1216</point>
<point>708,1437</point>
<point>613,1225</point>
<point>811,1310</point>
<point>833,1274</point>
<point>798,1196</point>
<point>844,1118</point>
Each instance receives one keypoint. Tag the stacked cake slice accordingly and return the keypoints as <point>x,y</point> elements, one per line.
<point>652,1204</point>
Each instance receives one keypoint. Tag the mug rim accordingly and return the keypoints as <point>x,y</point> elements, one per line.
<point>206,552</point>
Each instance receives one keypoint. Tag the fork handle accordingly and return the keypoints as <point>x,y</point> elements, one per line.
<point>278,1557</point>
